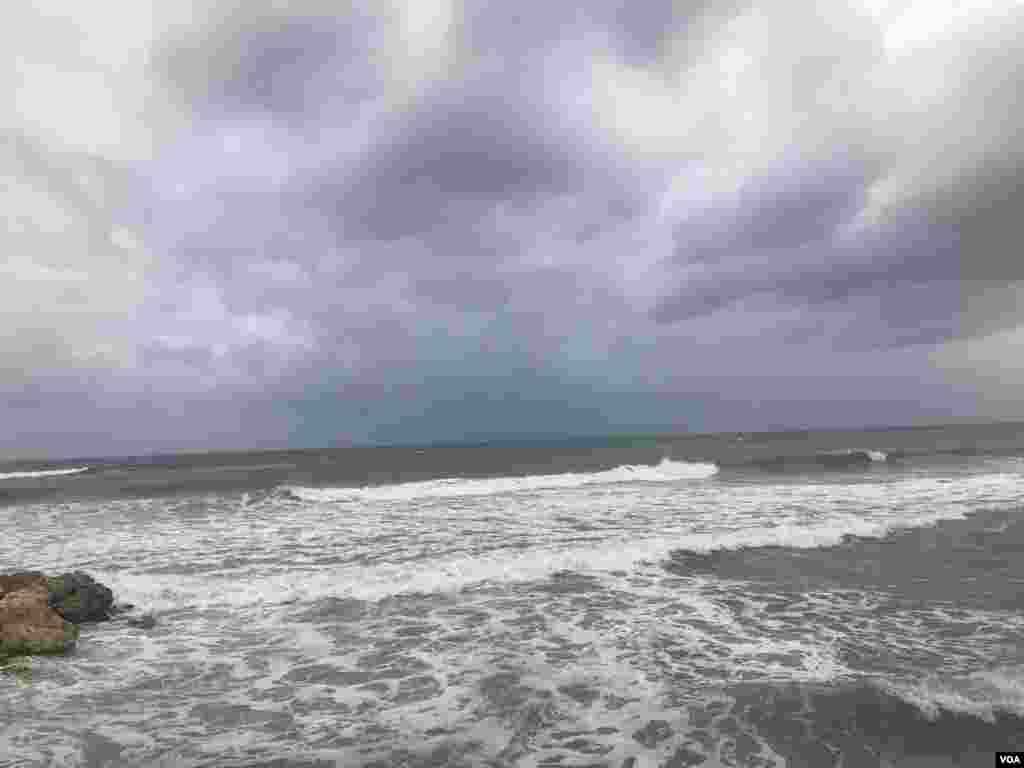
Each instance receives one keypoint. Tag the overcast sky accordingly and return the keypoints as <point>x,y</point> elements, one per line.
<point>246,223</point>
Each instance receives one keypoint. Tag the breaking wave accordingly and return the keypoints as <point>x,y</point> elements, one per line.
<point>42,473</point>
<point>355,576</point>
<point>983,694</point>
<point>844,459</point>
<point>666,471</point>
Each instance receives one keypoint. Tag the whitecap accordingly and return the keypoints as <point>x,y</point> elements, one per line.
<point>665,471</point>
<point>981,694</point>
<point>43,473</point>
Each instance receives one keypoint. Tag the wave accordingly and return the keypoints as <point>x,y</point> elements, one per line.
<point>666,471</point>
<point>353,577</point>
<point>842,459</point>
<point>240,467</point>
<point>984,695</point>
<point>43,473</point>
<point>720,518</point>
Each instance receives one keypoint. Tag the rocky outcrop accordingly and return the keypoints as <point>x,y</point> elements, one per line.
<point>28,625</point>
<point>41,614</point>
<point>79,598</point>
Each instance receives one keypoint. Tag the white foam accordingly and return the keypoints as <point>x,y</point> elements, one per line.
<point>982,694</point>
<point>273,551</point>
<point>451,573</point>
<point>43,473</point>
<point>826,534</point>
<point>666,471</point>
<point>873,455</point>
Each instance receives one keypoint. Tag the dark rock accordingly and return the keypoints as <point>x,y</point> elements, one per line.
<point>79,598</point>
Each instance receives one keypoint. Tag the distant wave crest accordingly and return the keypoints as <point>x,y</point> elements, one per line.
<point>842,459</point>
<point>43,473</point>
<point>666,471</point>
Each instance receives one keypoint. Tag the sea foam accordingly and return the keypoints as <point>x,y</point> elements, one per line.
<point>43,473</point>
<point>453,572</point>
<point>984,695</point>
<point>666,471</point>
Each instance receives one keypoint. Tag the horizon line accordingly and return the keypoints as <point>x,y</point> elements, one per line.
<point>506,439</point>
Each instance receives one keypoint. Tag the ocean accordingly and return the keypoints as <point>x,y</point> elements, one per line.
<point>845,599</point>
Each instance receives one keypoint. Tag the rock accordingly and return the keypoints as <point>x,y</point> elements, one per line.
<point>40,614</point>
<point>28,624</point>
<point>79,598</point>
<point>12,582</point>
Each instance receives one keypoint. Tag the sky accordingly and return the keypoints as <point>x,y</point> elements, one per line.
<point>254,224</point>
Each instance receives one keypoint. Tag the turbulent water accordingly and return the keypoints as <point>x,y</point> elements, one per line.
<point>812,599</point>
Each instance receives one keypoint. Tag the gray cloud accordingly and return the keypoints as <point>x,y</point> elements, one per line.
<point>426,220</point>
<point>458,154</point>
<point>787,208</point>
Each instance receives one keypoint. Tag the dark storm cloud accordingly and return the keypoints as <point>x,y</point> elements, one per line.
<point>249,57</point>
<point>420,201</point>
<point>964,169</point>
<point>788,208</point>
<point>785,237</point>
<point>279,68</point>
<point>468,147</point>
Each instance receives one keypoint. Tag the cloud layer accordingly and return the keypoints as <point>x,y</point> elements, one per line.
<point>240,224</point>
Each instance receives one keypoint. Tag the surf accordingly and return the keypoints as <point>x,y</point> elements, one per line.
<point>665,471</point>
<point>43,473</point>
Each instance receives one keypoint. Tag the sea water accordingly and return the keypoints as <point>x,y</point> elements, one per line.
<point>818,599</point>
